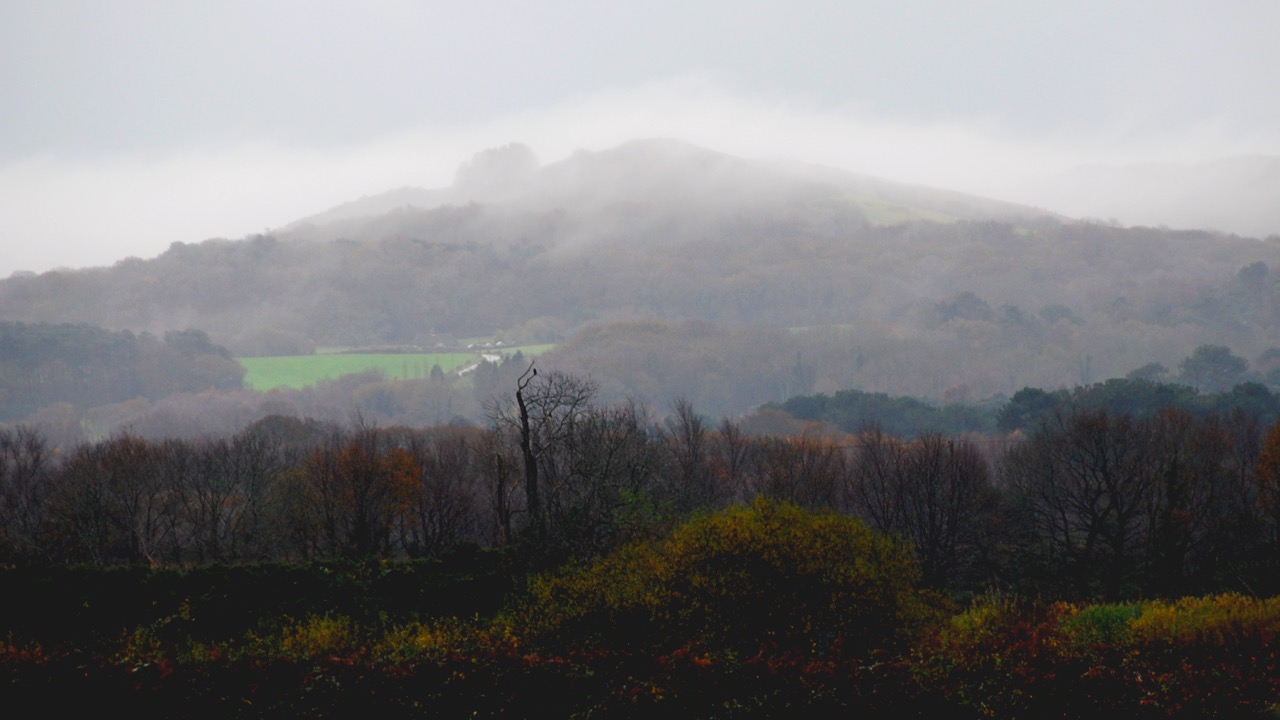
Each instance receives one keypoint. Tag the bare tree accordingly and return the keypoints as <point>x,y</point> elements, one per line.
<point>946,491</point>
<point>807,470</point>
<point>1087,479</point>
<point>547,410</point>
<point>689,447</point>
<point>442,510</point>
<point>108,505</point>
<point>25,463</point>
<point>502,487</point>
<point>731,455</point>
<point>220,485</point>
<point>934,491</point>
<point>875,492</point>
<point>613,461</point>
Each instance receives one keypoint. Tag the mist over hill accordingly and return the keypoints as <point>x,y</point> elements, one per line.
<point>666,270</point>
<point>1238,195</point>
<point>664,175</point>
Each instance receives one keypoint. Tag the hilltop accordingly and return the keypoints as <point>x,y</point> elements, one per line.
<point>662,172</point>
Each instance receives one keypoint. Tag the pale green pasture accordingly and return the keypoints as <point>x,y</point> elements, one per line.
<point>297,371</point>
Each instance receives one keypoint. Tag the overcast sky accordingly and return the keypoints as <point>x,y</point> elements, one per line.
<point>128,125</point>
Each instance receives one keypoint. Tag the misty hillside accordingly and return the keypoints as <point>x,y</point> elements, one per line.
<point>663,270</point>
<point>511,243</point>
<point>1234,195</point>
<point>617,187</point>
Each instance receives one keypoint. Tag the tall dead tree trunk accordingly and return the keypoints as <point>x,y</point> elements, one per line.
<point>532,499</point>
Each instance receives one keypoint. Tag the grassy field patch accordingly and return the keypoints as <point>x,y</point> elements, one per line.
<point>298,371</point>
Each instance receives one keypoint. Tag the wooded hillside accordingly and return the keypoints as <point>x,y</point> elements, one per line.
<point>666,270</point>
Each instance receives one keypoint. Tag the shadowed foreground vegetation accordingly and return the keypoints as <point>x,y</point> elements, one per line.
<point>758,610</point>
<point>580,559</point>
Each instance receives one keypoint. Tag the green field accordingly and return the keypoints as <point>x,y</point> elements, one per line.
<point>298,371</point>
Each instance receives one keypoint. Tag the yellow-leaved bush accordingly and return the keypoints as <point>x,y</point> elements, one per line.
<point>997,632</point>
<point>1216,620</point>
<point>759,577</point>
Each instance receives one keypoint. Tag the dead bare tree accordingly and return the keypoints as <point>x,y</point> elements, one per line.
<point>547,409</point>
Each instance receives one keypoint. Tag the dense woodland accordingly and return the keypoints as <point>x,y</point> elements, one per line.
<point>1077,498</point>
<point>43,365</point>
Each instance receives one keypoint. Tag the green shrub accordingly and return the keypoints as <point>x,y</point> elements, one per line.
<point>1098,625</point>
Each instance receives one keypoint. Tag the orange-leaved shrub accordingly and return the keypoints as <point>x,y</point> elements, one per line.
<point>763,577</point>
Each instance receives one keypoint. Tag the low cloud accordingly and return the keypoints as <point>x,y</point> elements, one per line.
<point>79,211</point>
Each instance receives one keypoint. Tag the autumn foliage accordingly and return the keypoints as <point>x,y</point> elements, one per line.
<point>763,577</point>
<point>758,610</point>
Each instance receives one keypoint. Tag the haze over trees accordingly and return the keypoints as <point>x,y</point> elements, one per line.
<point>43,365</point>
<point>662,270</point>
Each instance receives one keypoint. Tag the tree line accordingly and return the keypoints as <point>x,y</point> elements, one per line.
<point>1141,393</point>
<point>1085,503</point>
<point>43,364</point>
